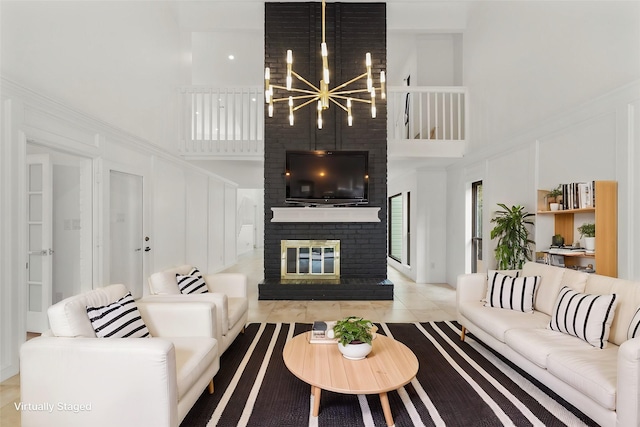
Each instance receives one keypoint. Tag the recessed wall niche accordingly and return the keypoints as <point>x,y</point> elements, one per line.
<point>352,30</point>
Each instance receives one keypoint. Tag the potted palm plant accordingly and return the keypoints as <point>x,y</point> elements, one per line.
<point>513,247</point>
<point>354,336</point>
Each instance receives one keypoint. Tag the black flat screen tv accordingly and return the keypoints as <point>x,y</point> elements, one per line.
<point>327,177</point>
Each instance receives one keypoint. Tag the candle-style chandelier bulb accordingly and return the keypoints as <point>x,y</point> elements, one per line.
<point>291,111</point>
<point>325,62</point>
<point>289,79</point>
<point>319,115</point>
<point>373,103</point>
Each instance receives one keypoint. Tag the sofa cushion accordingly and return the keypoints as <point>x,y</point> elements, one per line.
<point>549,286</point>
<point>535,345</point>
<point>68,318</point>
<point>513,293</point>
<point>496,321</point>
<point>164,282</point>
<point>191,283</point>
<point>628,293</point>
<point>237,307</point>
<point>593,373</point>
<point>634,326</point>
<point>120,319</point>
<point>585,316</point>
<point>193,356</point>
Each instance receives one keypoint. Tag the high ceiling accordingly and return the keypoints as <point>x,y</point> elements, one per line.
<point>222,28</point>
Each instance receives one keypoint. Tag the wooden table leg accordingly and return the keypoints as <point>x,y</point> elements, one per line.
<point>386,409</point>
<point>315,391</point>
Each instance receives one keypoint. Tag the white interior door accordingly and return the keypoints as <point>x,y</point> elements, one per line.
<point>39,235</point>
<point>126,240</point>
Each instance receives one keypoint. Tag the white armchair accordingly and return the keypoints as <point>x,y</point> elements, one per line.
<point>228,291</point>
<point>85,380</point>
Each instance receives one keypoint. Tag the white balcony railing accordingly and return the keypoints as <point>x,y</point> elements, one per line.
<point>427,112</point>
<point>222,122</point>
<point>423,121</point>
<point>427,121</point>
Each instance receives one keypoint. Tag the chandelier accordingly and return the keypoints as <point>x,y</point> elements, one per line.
<point>322,95</point>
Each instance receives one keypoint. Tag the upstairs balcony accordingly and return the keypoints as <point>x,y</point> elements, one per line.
<point>228,123</point>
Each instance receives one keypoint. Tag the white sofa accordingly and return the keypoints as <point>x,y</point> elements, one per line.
<point>81,380</point>
<point>602,383</point>
<point>228,291</point>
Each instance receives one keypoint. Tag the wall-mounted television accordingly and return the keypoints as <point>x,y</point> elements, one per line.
<point>327,177</point>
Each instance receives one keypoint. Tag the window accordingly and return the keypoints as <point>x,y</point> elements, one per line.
<point>395,227</point>
<point>476,227</point>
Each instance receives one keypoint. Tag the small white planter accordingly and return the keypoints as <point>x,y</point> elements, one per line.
<point>590,243</point>
<point>355,351</point>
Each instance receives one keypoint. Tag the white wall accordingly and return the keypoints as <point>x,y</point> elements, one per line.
<point>548,104</point>
<point>430,234</point>
<point>170,211</point>
<point>97,55</point>
<point>526,62</point>
<point>427,191</point>
<point>438,60</point>
<point>250,213</point>
<point>180,204</point>
<point>210,55</point>
<point>597,140</point>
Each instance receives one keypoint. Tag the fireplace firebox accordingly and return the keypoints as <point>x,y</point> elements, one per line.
<point>310,259</point>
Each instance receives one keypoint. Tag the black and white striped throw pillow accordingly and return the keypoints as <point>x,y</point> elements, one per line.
<point>512,293</point>
<point>192,283</point>
<point>634,326</point>
<point>120,319</point>
<point>584,316</point>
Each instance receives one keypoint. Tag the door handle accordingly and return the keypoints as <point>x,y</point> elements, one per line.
<point>147,249</point>
<point>42,252</point>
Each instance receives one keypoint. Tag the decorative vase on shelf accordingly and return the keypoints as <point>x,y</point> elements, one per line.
<point>590,243</point>
<point>554,206</point>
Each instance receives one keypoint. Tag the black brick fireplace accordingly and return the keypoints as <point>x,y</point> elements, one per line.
<point>352,30</point>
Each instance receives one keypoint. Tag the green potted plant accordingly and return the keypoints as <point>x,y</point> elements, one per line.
<point>354,335</point>
<point>511,230</point>
<point>554,197</point>
<point>557,240</point>
<point>588,231</point>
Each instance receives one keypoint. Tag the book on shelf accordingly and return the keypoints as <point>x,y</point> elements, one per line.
<point>322,332</point>
<point>578,195</point>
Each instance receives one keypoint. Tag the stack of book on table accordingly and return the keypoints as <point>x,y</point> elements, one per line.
<point>322,332</point>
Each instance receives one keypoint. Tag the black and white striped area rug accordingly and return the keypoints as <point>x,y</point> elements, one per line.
<point>458,384</point>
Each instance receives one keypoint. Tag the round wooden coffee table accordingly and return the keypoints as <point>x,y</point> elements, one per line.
<point>389,366</point>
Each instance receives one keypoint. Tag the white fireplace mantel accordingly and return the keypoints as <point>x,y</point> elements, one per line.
<point>325,214</point>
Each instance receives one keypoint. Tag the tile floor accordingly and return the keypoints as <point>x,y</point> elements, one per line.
<point>413,302</point>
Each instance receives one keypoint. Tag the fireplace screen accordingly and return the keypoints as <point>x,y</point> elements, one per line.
<point>310,259</point>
